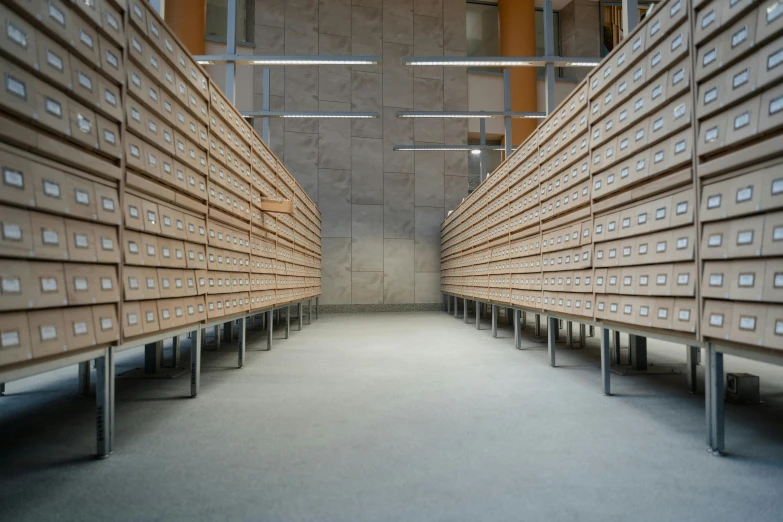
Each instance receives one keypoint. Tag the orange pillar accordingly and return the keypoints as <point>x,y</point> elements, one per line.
<point>517,24</point>
<point>188,20</point>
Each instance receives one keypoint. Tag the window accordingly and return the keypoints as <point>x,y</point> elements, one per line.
<point>612,23</point>
<point>217,13</point>
<point>494,159</point>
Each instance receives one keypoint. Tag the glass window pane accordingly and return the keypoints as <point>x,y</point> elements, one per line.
<point>217,14</point>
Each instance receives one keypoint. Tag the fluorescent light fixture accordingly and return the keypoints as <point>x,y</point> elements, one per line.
<point>499,61</point>
<point>475,152</point>
<point>288,60</point>
<point>469,114</point>
<point>460,148</point>
<point>310,114</point>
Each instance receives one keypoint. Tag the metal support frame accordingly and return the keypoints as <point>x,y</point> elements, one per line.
<point>316,308</point>
<point>605,363</point>
<point>617,347</point>
<point>582,340</point>
<point>299,313</point>
<point>569,334</point>
<point>448,304</point>
<point>483,155</point>
<point>270,327</point>
<point>195,362</point>
<point>84,379</point>
<point>288,321</point>
<point>538,325</point>
<point>549,50</point>
<point>551,332</point>
<point>265,106</point>
<point>231,50</point>
<point>456,306</point>
<point>517,331</point>
<point>242,343</point>
<point>638,352</point>
<point>104,402</point>
<point>494,320</point>
<point>465,309</point>
<point>507,108</point>
<point>713,398</point>
<point>692,356</point>
<point>228,330</point>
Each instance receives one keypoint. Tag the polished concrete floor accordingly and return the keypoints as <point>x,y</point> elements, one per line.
<point>392,417</point>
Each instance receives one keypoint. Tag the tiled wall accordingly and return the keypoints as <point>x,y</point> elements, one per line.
<point>381,209</point>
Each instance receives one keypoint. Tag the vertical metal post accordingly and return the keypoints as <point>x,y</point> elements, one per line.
<point>692,353</point>
<point>478,315</point>
<point>517,332</point>
<point>630,16</point>
<point>195,363</point>
<point>231,50</point>
<point>592,331</point>
<point>316,308</point>
<point>217,336</point>
<point>465,309</point>
<point>287,321</point>
<point>483,155</point>
<point>549,50</point>
<point>103,404</point>
<point>524,320</point>
<point>310,311</point>
<point>176,351</point>
<point>551,330</point>
<point>715,400</point>
<point>604,332</point>
<point>265,107</point>
<point>538,325</point>
<point>2,389</point>
<point>299,313</point>
<point>570,334</point>
<point>241,346</point>
<point>448,304</point>
<point>228,330</point>
<point>270,327</point>
<point>456,306</point>
<point>638,350</point>
<point>582,335</point>
<point>617,346</point>
<point>507,108</point>
<point>494,320</point>
<point>84,379</point>
<point>152,355</point>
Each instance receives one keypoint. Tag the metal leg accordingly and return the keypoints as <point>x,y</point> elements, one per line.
<point>152,355</point>
<point>538,325</point>
<point>242,343</point>
<point>176,352</point>
<point>103,403</point>
<point>478,315</point>
<point>494,320</point>
<point>288,321</point>
<point>309,311</point>
<point>617,347</point>
<point>592,331</point>
<point>195,364</point>
<point>551,332</point>
<point>569,334</point>
<point>217,336</point>
<point>84,380</point>
<point>517,331</point>
<point>270,328</point>
<point>714,401</point>
<point>448,305</point>
<point>2,388</point>
<point>638,350</point>
<point>316,308</point>
<point>456,306</point>
<point>524,320</point>
<point>604,332</point>
<point>692,354</point>
<point>582,335</point>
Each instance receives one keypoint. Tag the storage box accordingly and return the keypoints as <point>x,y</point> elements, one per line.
<point>15,345</point>
<point>47,331</point>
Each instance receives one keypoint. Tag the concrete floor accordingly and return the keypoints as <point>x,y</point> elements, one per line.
<point>390,417</point>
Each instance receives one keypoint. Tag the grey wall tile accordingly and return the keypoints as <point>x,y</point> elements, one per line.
<point>336,270</point>
<point>375,4</point>
<point>301,27</point>
<point>427,243</point>
<point>456,189</point>
<point>334,81</point>
<point>398,21</point>
<point>454,20</point>
<point>398,272</point>
<point>367,167</point>
<point>334,138</point>
<point>456,133</point>
<point>428,95</point>
<point>428,41</point>
<point>428,7</point>
<point>269,40</point>
<point>366,96</point>
<point>334,17</point>
<point>398,208</point>
<point>367,37</point>
<point>430,170</point>
<point>396,131</point>
<point>301,94</point>
<point>301,151</point>
<point>270,12</point>
<point>367,238</point>
<point>428,287</point>
<point>397,79</point>
<point>455,86</point>
<point>367,288</point>
<point>334,202</point>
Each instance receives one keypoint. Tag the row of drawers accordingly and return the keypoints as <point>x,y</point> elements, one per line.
<point>651,215</point>
<point>34,335</point>
<point>655,248</point>
<point>149,250</point>
<point>148,317</point>
<point>668,313</point>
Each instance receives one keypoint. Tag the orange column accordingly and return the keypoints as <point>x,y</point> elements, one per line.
<point>517,21</point>
<point>188,20</point>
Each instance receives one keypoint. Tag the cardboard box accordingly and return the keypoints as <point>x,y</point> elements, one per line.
<point>141,283</point>
<point>107,329</point>
<point>746,237</point>
<point>717,319</point>
<point>18,286</point>
<point>742,121</point>
<point>18,179</point>
<point>748,323</point>
<point>149,316</point>
<point>16,233</point>
<point>109,98</point>
<point>83,124</point>
<point>111,60</point>
<point>81,241</point>
<point>771,110</point>
<point>773,327</point>
<point>49,236</point>
<point>91,284</point>
<point>15,345</point>
<point>107,204</point>
<point>716,279</point>
<point>132,321</point>
<point>53,61</point>
<point>19,38</point>
<point>685,315</point>
<point>79,195</point>
<point>47,331</point>
<point>772,236</point>
<point>112,22</point>
<point>79,327</point>
<point>53,108</point>
<point>747,280</point>
<point>663,312</point>
<point>18,93</point>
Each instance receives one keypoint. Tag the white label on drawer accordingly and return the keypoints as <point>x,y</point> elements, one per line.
<point>685,315</point>
<point>643,249</point>
<point>747,323</point>
<point>776,105</point>
<point>151,282</point>
<point>708,19</point>
<point>657,124</point>
<point>777,233</point>
<point>742,120</point>
<point>656,59</point>
<point>107,244</point>
<point>623,115</point>
<point>716,279</point>
<point>745,238</point>
<point>82,197</point>
<point>611,226</point>
<point>663,313</point>
<point>714,201</point>
<point>151,316</point>
<point>638,105</point>
<point>637,44</point>
<point>677,42</point>
<point>81,241</point>
<point>106,323</point>
<point>48,332</point>
<point>13,178</point>
<point>711,135</point>
<point>627,309</point>
<point>15,86</point>
<point>110,98</point>
<point>715,240</point>
<point>710,95</point>
<point>132,319</point>
<point>9,339</point>
<point>641,164</point>
<point>778,280</point>
<point>109,137</point>
<point>133,283</point>
<point>133,247</point>
<point>11,285</point>
<point>79,328</point>
<point>12,231</point>
<point>106,283</point>
<point>658,157</point>
<point>112,59</point>
<point>744,194</point>
<point>50,237</point>
<point>661,246</point>
<point>56,15</point>
<point>774,11</point>
<point>16,34</point>
<point>716,320</point>
<point>709,57</point>
<point>746,280</point>
<point>53,107</point>
<point>740,79</point>
<point>136,79</point>
<point>682,208</point>
<point>739,37</point>
<point>612,253</point>
<point>613,307</point>
<point>84,124</point>
<point>150,250</point>
<point>682,243</point>
<point>54,60</point>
